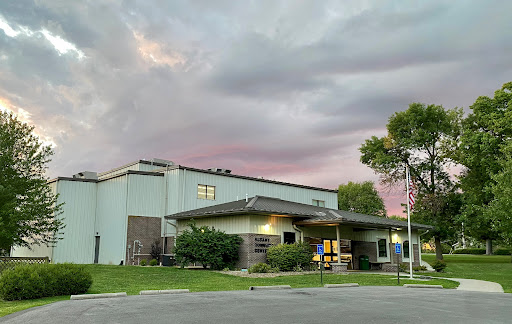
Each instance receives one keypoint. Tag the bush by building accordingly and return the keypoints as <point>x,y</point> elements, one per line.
<point>469,251</point>
<point>207,246</point>
<point>153,262</point>
<point>261,268</point>
<point>44,280</point>
<point>289,257</point>
<point>439,265</point>
<point>143,262</point>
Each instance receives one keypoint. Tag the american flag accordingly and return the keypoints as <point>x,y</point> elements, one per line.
<point>411,193</point>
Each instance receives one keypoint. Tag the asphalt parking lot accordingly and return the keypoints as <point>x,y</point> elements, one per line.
<point>308,305</point>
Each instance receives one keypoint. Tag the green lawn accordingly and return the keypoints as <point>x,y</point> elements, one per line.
<point>496,268</point>
<point>134,279</point>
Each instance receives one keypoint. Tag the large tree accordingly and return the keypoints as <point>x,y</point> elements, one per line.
<point>487,131</point>
<point>499,211</point>
<point>361,198</point>
<point>424,139</point>
<point>28,208</point>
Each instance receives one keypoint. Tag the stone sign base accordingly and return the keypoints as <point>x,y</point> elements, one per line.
<point>339,267</point>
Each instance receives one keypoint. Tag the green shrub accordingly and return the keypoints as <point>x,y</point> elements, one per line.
<point>502,251</point>
<point>260,268</point>
<point>44,280</point>
<point>419,268</point>
<point>153,262</point>
<point>439,265</point>
<point>207,246</point>
<point>469,251</point>
<point>404,267</point>
<point>286,257</point>
<point>143,262</point>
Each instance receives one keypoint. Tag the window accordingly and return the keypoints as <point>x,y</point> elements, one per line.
<point>319,203</point>
<point>406,249</point>
<point>289,237</point>
<point>382,248</point>
<point>205,192</point>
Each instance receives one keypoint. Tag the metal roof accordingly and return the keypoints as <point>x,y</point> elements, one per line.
<point>304,214</point>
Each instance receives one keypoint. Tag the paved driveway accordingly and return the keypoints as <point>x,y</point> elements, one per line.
<point>308,305</point>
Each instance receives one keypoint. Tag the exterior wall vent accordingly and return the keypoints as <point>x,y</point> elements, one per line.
<point>86,175</point>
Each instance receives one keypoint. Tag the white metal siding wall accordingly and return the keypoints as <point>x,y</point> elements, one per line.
<point>277,225</point>
<point>145,196</point>
<point>79,209</point>
<point>235,224</point>
<point>111,219</point>
<point>228,189</point>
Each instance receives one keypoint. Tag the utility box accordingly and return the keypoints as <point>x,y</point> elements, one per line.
<point>168,260</point>
<point>364,262</point>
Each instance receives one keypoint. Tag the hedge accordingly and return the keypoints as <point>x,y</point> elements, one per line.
<point>469,251</point>
<point>44,280</point>
<point>502,251</point>
<point>290,257</point>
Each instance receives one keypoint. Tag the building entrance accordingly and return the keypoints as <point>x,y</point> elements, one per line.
<point>331,251</point>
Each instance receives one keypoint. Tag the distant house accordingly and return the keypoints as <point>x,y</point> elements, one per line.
<point>115,216</point>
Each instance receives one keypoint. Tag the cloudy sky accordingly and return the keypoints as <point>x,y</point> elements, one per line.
<point>287,90</point>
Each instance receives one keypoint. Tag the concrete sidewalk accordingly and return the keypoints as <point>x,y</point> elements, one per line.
<point>477,285</point>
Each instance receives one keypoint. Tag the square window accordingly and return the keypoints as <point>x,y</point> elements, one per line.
<point>205,192</point>
<point>318,203</point>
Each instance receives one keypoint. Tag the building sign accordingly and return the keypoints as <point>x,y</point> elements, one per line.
<point>261,244</point>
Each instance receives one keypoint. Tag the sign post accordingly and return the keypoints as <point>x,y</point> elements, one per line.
<point>398,250</point>
<point>320,252</point>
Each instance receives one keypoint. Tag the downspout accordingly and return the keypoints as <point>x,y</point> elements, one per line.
<point>300,231</point>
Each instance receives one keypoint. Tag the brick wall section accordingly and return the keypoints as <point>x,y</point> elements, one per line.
<point>253,248</point>
<point>363,248</point>
<point>145,229</point>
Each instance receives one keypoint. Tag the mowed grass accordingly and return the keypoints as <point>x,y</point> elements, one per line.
<point>132,279</point>
<point>496,268</point>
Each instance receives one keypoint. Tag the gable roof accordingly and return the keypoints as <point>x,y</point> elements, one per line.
<point>303,214</point>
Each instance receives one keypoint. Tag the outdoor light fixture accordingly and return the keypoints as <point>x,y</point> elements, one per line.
<point>395,238</point>
<point>267,227</point>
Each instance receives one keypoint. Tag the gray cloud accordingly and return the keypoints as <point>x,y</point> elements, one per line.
<point>279,89</point>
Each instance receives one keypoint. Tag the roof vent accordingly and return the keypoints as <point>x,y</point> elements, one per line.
<point>217,170</point>
<point>86,175</point>
<point>167,162</point>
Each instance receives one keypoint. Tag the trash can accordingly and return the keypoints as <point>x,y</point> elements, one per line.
<point>364,262</point>
<point>168,260</point>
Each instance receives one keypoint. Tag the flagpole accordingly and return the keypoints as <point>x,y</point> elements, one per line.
<point>409,218</point>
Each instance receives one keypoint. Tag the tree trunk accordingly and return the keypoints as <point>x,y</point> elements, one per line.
<point>439,249</point>
<point>488,246</point>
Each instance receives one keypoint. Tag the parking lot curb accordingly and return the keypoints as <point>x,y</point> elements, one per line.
<point>270,287</point>
<point>423,286</point>
<point>163,292</point>
<point>97,296</point>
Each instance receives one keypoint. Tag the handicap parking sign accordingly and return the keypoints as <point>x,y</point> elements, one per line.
<point>398,248</point>
<point>320,249</point>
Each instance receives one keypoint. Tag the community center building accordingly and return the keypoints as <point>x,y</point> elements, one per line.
<point>115,216</point>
